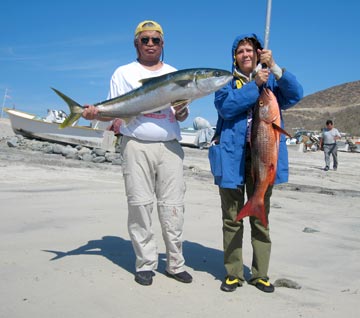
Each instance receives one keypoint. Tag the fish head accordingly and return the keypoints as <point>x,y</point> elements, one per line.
<point>210,80</point>
<point>267,106</point>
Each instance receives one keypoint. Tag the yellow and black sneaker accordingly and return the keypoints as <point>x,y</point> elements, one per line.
<point>265,286</point>
<point>230,283</point>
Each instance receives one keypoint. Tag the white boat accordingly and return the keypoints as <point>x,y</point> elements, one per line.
<point>348,145</point>
<point>189,137</point>
<point>198,136</point>
<point>32,126</point>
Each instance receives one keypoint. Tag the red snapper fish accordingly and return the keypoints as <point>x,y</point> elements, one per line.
<point>265,139</point>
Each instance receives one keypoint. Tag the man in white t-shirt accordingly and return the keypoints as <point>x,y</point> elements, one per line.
<point>152,161</point>
<point>328,143</point>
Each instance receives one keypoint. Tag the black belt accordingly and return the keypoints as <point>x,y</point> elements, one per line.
<point>329,144</point>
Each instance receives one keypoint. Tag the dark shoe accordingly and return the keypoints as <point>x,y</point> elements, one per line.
<point>183,277</point>
<point>144,277</point>
<point>326,168</point>
<point>230,284</point>
<point>335,168</point>
<point>265,286</point>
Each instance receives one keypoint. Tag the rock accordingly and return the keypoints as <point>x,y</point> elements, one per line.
<point>87,157</point>
<point>99,152</point>
<point>288,283</point>
<point>99,159</point>
<point>12,143</point>
<point>112,156</point>
<point>309,230</point>
<point>58,149</point>
<point>83,150</point>
<point>70,152</point>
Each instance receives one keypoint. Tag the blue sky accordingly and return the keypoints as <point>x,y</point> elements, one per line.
<point>75,45</point>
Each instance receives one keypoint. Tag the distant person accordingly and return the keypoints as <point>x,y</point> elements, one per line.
<point>200,123</point>
<point>230,156</point>
<point>328,144</point>
<point>204,130</point>
<point>152,162</point>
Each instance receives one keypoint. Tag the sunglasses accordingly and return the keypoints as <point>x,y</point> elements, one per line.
<point>145,40</point>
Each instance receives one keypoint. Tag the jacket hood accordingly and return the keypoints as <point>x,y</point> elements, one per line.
<point>240,38</point>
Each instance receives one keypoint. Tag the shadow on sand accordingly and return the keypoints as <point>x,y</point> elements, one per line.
<point>120,252</point>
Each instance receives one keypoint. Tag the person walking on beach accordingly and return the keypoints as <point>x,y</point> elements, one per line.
<point>328,143</point>
<point>152,161</point>
<point>230,155</point>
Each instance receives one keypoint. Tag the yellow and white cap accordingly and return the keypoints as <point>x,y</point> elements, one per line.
<point>148,25</point>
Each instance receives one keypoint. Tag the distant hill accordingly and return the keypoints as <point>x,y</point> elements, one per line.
<point>340,103</point>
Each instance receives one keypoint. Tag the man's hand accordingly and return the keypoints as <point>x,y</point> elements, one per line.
<point>90,112</point>
<point>181,111</point>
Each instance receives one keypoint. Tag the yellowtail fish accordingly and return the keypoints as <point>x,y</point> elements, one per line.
<point>156,93</point>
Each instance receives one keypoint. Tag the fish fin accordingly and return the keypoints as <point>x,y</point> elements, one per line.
<point>145,80</point>
<point>283,131</point>
<point>182,82</point>
<point>252,208</point>
<point>75,109</point>
<point>272,172</point>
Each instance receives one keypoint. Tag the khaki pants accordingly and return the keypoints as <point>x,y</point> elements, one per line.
<point>154,170</point>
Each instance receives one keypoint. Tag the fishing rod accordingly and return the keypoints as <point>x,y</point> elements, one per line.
<point>267,25</point>
<point>267,32</point>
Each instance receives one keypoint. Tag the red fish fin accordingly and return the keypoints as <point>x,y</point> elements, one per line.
<point>278,128</point>
<point>251,208</point>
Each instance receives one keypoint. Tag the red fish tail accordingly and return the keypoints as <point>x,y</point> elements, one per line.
<point>253,208</point>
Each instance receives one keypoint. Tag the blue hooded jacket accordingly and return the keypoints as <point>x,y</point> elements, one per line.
<point>227,159</point>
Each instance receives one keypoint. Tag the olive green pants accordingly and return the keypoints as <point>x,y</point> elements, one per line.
<point>232,200</point>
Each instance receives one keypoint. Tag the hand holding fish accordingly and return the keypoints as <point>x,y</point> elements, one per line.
<point>90,112</point>
<point>181,111</point>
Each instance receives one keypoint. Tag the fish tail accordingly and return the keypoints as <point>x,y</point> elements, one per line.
<point>75,110</point>
<point>253,208</point>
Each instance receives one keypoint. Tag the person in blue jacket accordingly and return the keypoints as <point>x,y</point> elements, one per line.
<point>230,156</point>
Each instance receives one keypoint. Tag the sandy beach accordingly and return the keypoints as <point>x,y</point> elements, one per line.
<point>65,250</point>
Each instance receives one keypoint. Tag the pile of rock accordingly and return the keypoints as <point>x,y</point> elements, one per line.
<point>95,155</point>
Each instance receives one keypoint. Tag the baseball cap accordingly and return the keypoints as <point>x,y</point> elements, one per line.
<point>148,25</point>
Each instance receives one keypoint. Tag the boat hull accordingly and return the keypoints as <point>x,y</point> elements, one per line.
<point>31,126</point>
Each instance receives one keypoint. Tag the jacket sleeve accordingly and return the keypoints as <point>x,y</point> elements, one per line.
<point>288,91</point>
<point>231,102</point>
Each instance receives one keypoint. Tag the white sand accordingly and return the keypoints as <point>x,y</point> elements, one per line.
<point>65,250</point>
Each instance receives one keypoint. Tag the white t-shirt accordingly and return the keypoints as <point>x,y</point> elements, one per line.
<point>157,126</point>
<point>329,136</point>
